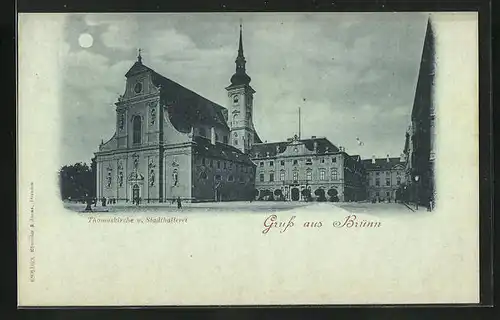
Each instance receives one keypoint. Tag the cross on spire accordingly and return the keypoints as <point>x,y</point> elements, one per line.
<point>139,57</point>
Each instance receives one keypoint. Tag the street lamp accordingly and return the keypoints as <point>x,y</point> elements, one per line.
<point>416,190</point>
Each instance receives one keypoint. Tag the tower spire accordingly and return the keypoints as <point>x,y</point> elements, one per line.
<point>240,76</point>
<point>240,48</point>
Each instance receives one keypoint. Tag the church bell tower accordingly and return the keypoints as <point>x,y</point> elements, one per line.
<point>240,95</point>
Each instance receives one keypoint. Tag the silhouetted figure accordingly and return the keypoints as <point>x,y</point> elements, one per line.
<point>89,203</point>
<point>103,201</point>
<point>179,205</point>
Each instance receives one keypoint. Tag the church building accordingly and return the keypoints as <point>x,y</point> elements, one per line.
<point>171,143</point>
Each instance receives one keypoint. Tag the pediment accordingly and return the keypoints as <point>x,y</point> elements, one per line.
<point>136,69</point>
<point>134,176</point>
<point>398,167</point>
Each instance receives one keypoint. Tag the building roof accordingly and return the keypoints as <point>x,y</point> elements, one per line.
<point>356,157</point>
<point>204,147</point>
<point>260,150</point>
<point>185,107</point>
<point>381,163</point>
<point>256,138</point>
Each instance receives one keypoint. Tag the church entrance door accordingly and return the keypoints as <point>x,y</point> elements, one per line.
<point>135,193</point>
<point>295,194</point>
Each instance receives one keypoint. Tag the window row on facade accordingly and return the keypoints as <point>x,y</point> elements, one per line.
<point>229,178</point>
<point>387,181</point>
<point>225,165</point>
<point>308,162</point>
<point>295,175</point>
<point>387,173</point>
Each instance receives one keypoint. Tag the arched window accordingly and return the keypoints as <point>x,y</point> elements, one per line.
<point>309,174</point>
<point>136,125</point>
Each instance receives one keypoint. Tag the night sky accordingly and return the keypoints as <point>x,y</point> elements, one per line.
<point>353,74</point>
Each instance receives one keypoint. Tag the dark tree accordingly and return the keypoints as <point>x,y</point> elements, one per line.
<point>279,194</point>
<point>266,194</point>
<point>77,181</point>
<point>254,193</point>
<point>306,193</point>
<point>333,194</point>
<point>320,193</point>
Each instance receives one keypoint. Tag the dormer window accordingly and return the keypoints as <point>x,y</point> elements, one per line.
<point>309,161</point>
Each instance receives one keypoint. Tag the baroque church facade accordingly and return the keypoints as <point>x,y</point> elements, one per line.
<point>171,143</point>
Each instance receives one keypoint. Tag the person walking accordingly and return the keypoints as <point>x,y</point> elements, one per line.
<point>179,205</point>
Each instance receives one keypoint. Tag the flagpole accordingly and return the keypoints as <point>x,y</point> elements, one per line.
<point>299,123</point>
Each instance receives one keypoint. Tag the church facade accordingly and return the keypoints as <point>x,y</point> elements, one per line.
<point>172,143</point>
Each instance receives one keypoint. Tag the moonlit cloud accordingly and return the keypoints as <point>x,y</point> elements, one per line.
<point>353,75</point>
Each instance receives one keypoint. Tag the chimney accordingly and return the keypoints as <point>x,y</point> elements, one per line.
<point>373,159</point>
<point>387,158</point>
<point>313,137</point>
<point>212,135</point>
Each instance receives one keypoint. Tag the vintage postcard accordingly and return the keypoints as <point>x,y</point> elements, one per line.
<point>248,158</point>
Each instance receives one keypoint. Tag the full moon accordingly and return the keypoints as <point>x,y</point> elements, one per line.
<point>85,40</point>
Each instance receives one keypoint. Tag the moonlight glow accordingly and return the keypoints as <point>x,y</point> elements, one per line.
<point>85,40</point>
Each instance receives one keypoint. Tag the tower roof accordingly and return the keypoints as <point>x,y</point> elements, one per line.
<point>240,77</point>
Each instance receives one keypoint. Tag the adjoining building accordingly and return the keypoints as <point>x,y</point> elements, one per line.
<point>419,142</point>
<point>170,142</point>
<point>285,170</point>
<point>385,177</point>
